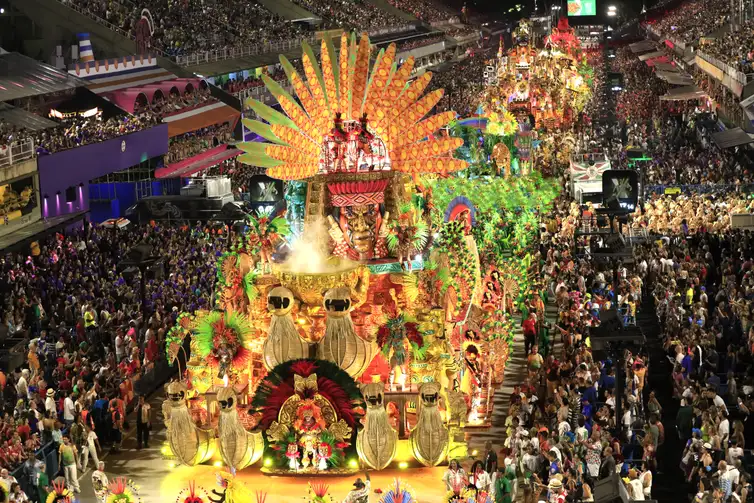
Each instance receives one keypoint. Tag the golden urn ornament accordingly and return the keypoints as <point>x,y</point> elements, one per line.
<point>238,447</point>
<point>190,445</point>
<point>429,438</point>
<point>283,342</point>
<point>340,344</point>
<point>376,443</point>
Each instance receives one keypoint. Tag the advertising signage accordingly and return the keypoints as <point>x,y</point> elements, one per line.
<point>582,8</point>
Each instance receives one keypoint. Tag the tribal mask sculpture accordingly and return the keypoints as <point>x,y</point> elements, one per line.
<point>429,438</point>
<point>190,445</point>
<point>358,226</point>
<point>238,447</point>
<point>341,345</point>
<point>376,443</point>
<point>283,342</point>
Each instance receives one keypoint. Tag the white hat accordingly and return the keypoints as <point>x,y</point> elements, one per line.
<point>707,445</point>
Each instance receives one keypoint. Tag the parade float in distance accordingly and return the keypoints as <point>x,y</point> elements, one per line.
<point>367,324</point>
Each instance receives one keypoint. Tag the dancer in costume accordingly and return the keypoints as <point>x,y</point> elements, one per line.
<point>100,482</point>
<point>455,476</point>
<point>360,493</point>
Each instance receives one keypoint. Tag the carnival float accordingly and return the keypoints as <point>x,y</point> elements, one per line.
<point>366,323</point>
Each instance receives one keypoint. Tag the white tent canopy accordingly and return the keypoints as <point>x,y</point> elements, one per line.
<point>678,79</point>
<point>643,46</point>
<point>683,93</point>
<point>650,55</point>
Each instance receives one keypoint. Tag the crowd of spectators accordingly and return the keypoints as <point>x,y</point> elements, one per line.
<point>351,14</point>
<point>692,20</point>
<point>87,335</point>
<point>235,86</point>
<point>195,142</point>
<point>641,93</point>
<point>702,286</point>
<point>734,47</point>
<point>240,175</point>
<point>418,42</point>
<point>461,32</point>
<point>73,132</point>
<point>725,101</point>
<point>463,83</point>
<point>562,433</point>
<point>77,131</point>
<point>189,26</point>
<point>423,9</point>
<point>174,102</point>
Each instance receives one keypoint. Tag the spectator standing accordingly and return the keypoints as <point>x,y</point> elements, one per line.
<point>68,410</point>
<point>67,459</point>
<point>90,448</point>
<point>143,423</point>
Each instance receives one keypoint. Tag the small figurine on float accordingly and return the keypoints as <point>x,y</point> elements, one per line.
<point>324,452</point>
<point>292,453</point>
<point>190,445</point>
<point>341,345</point>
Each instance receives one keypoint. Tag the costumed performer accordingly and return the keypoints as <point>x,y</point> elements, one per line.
<point>100,482</point>
<point>360,493</point>
<point>455,476</point>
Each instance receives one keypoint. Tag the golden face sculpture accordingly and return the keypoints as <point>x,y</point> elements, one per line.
<point>359,224</point>
<point>429,394</point>
<point>177,391</point>
<point>280,301</point>
<point>337,302</point>
<point>226,397</point>
<point>374,395</point>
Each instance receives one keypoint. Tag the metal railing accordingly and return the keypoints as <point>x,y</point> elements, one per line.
<point>589,157</point>
<point>17,151</point>
<point>202,57</point>
<point>718,188</point>
<point>743,78</point>
<point>259,93</point>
